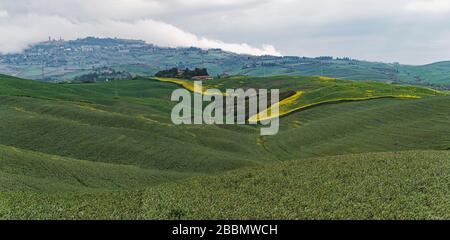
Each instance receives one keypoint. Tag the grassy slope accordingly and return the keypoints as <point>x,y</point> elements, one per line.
<point>369,126</point>
<point>399,185</point>
<point>313,91</point>
<point>435,73</point>
<point>135,129</point>
<point>63,138</point>
<point>27,170</point>
<point>367,186</point>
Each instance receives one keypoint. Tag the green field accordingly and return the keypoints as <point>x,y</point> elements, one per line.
<point>312,91</point>
<point>110,151</point>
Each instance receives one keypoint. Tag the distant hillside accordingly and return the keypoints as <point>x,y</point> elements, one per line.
<point>64,60</point>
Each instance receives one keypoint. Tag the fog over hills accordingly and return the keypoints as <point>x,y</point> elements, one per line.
<point>59,60</point>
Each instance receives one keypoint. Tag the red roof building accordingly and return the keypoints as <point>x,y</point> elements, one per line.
<point>202,78</point>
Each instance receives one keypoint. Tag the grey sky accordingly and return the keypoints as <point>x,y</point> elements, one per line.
<point>409,31</point>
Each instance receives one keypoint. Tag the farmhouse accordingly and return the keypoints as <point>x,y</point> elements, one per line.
<point>202,78</point>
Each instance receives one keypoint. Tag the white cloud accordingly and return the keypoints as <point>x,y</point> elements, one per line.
<point>3,14</point>
<point>386,30</point>
<point>430,6</point>
<point>24,30</point>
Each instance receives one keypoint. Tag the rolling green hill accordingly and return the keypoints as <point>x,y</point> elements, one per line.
<point>431,74</point>
<point>109,150</point>
<point>397,185</point>
<point>312,91</point>
<point>34,171</point>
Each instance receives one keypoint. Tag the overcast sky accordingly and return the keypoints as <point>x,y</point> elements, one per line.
<point>408,31</point>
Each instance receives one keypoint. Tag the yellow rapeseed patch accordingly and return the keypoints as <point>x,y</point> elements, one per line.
<point>22,110</point>
<point>408,96</point>
<point>185,84</point>
<point>286,102</point>
<point>19,109</point>
<point>189,85</point>
<point>90,108</point>
<point>323,78</point>
<point>290,104</point>
<point>283,107</point>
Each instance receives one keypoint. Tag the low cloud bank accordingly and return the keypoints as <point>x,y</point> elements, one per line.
<point>20,31</point>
